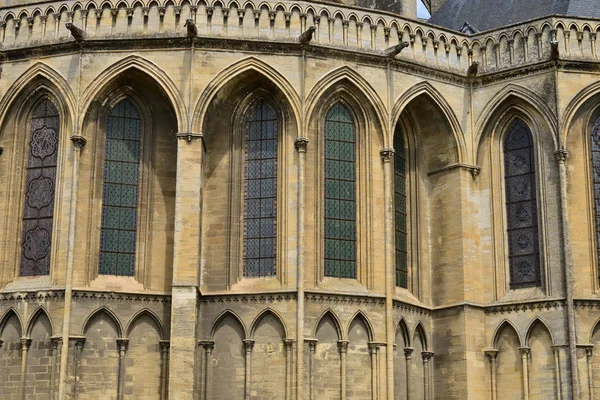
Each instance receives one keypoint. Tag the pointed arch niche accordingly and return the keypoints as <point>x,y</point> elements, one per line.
<point>519,193</point>
<point>132,195</point>
<point>248,128</point>
<point>427,154</point>
<point>10,354</point>
<point>34,143</point>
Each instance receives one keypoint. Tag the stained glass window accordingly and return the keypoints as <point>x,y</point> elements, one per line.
<point>40,188</point>
<point>595,150</point>
<point>521,207</point>
<point>120,191</point>
<point>260,192</point>
<point>340,194</point>
<point>400,232</point>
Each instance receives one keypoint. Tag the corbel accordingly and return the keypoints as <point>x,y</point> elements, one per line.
<point>129,16</point>
<point>30,22</point>
<point>70,15</point>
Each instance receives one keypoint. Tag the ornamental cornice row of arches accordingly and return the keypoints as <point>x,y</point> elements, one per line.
<point>123,329</point>
<point>402,327</point>
<point>385,20</point>
<point>47,78</point>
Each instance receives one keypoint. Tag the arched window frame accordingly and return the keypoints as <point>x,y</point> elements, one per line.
<point>364,131</point>
<point>503,272</point>
<point>144,218</point>
<point>594,184</point>
<point>239,123</point>
<point>16,129</point>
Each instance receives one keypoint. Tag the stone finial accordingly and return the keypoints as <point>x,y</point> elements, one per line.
<point>387,154</point>
<point>301,143</point>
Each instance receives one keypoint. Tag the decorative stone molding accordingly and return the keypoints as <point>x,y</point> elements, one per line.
<point>589,349</point>
<point>207,344</point>
<point>301,144</point>
<point>78,342</point>
<point>248,345</point>
<point>25,343</point>
<point>42,296</point>
<point>408,352</point>
<point>247,299</point>
<point>525,351</point>
<point>30,21</point>
<point>122,343</point>
<point>312,344</point>
<point>387,154</point>
<point>189,136</point>
<point>427,356</point>
<point>373,347</point>
<point>78,141</point>
<point>491,354</point>
<point>289,343</point>
<point>533,306</point>
<point>345,299</point>
<point>56,341</point>
<point>409,308</point>
<point>108,297</point>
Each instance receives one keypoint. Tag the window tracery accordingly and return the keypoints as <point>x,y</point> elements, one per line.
<point>120,191</point>
<point>521,207</point>
<point>595,158</point>
<point>401,232</point>
<point>40,187</point>
<point>340,194</point>
<point>260,192</point>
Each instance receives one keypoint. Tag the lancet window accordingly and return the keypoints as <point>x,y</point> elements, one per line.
<point>120,190</point>
<point>521,207</point>
<point>401,232</point>
<point>40,188</point>
<point>595,155</point>
<point>340,193</point>
<point>260,191</point>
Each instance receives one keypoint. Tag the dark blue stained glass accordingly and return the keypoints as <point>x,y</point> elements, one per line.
<point>260,192</point>
<point>595,150</point>
<point>401,233</point>
<point>521,207</point>
<point>340,194</point>
<point>120,191</point>
<point>38,210</point>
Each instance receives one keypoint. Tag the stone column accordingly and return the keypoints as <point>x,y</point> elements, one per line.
<point>122,346</point>
<point>316,23</point>
<point>343,348</point>
<point>588,363</point>
<point>373,348</point>
<point>427,378</point>
<point>78,343</point>
<point>248,346</point>
<point>387,157</point>
<point>289,370</point>
<point>408,355</point>
<point>56,342</point>
<point>186,265</point>
<point>491,355</point>
<point>373,36</point>
<point>312,347</point>
<point>25,343</point>
<point>345,24</point>
<point>78,145</point>
<point>164,368</point>
<point>556,351</point>
<point>208,346</point>
<point>525,369</point>
<point>301,144</point>
<point>359,27</point>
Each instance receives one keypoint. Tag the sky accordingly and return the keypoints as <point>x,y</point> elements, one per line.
<point>422,11</point>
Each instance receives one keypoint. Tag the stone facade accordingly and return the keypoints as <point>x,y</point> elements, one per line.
<point>188,323</point>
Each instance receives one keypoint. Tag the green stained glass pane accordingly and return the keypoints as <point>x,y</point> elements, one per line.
<point>401,238</point>
<point>348,269</point>
<point>332,248</point>
<point>346,151</point>
<point>332,189</point>
<point>332,267</point>
<point>347,210</point>
<point>348,230</point>
<point>347,250</point>
<point>347,190</point>
<point>120,191</point>
<point>332,208</point>
<point>332,169</point>
<point>332,150</point>
<point>332,228</point>
<point>347,171</point>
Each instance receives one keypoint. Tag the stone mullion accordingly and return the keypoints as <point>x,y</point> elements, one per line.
<point>186,253</point>
<point>525,371</point>
<point>164,370</point>
<point>248,346</point>
<point>491,355</point>
<point>427,377</point>
<point>343,348</point>
<point>408,356</point>
<point>25,344</point>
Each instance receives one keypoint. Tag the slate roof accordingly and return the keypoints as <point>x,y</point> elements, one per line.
<point>490,14</point>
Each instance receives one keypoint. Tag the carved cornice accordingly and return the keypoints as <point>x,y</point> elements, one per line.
<point>345,299</point>
<point>129,298</point>
<point>517,308</point>
<point>491,354</point>
<point>40,296</point>
<point>247,298</point>
<point>409,308</point>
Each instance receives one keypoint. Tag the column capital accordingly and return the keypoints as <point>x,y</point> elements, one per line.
<point>207,344</point>
<point>561,155</point>
<point>312,344</point>
<point>373,346</point>
<point>289,343</point>
<point>589,349</point>
<point>188,136</point>
<point>25,343</point>
<point>426,355</point>
<point>122,343</point>
<point>164,345</point>
<point>386,154</point>
<point>343,346</point>
<point>78,341</point>
<point>78,141</point>
<point>249,345</point>
<point>408,352</point>
<point>301,143</point>
<point>491,354</point>
<point>56,341</point>
<point>524,351</point>
<point>1,150</point>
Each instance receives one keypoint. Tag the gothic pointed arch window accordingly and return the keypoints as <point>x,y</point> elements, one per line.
<point>521,206</point>
<point>260,191</point>
<point>40,188</point>
<point>120,190</point>
<point>595,161</point>
<point>340,193</point>
<point>400,215</point>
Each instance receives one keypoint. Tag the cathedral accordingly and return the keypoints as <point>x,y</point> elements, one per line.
<point>299,200</point>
